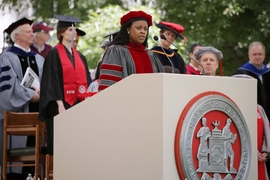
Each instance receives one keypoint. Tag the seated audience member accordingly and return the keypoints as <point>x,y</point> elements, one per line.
<point>41,37</point>
<point>128,53</point>
<point>209,58</point>
<point>193,67</point>
<point>171,61</point>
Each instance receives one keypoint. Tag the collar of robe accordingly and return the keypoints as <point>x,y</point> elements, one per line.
<point>21,52</point>
<point>166,52</point>
<point>140,47</point>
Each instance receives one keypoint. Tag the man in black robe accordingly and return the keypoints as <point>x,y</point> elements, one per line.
<point>257,69</point>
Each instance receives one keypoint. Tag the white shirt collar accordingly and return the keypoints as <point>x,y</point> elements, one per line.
<point>193,66</point>
<point>18,46</point>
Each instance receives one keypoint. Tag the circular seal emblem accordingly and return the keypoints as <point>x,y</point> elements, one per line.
<point>212,141</point>
<point>82,89</point>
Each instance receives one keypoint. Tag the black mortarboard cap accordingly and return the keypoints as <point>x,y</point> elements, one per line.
<point>80,32</point>
<point>111,36</point>
<point>66,21</point>
<point>16,24</point>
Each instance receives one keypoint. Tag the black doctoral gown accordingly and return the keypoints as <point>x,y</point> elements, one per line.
<point>52,89</point>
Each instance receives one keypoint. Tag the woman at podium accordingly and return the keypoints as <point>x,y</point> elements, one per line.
<point>128,53</point>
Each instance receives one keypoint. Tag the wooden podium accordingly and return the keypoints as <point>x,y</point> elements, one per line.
<point>127,131</point>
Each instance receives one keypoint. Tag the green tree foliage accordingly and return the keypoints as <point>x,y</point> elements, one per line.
<point>81,7</point>
<point>45,9</point>
<point>227,25</point>
<point>100,23</point>
<point>100,17</point>
<point>42,9</point>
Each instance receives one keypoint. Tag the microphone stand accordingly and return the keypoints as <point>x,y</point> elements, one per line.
<point>164,38</point>
<point>156,39</point>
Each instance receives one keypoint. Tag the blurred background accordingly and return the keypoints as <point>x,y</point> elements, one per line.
<point>227,25</point>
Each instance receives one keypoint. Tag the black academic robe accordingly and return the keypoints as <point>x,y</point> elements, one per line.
<point>52,89</point>
<point>98,70</point>
<point>263,87</point>
<point>175,58</point>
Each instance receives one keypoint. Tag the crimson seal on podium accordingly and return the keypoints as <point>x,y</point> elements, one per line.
<point>212,140</point>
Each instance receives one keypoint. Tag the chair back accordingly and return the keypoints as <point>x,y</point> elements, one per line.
<point>24,124</point>
<point>24,120</point>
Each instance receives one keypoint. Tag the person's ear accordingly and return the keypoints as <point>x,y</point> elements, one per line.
<point>128,29</point>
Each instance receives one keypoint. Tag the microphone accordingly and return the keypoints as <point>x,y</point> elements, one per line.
<point>164,38</point>
<point>156,39</point>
